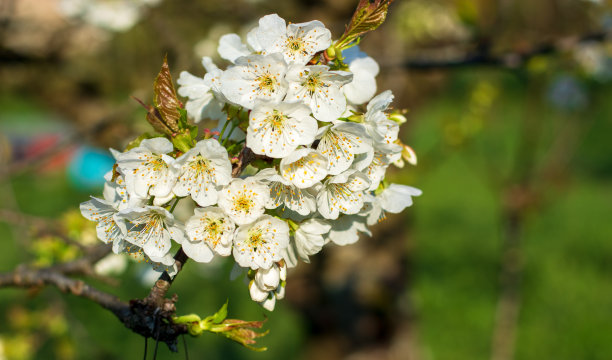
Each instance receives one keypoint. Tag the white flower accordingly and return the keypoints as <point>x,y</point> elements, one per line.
<point>213,79</point>
<point>268,285</point>
<point>202,103</point>
<point>318,88</point>
<point>208,230</point>
<point>339,144</point>
<point>231,48</point>
<point>103,212</point>
<point>309,239</point>
<point>257,294</point>
<point>124,195</point>
<point>377,168</point>
<point>150,228</point>
<point>269,303</point>
<point>383,131</point>
<point>284,193</point>
<point>244,200</point>
<point>260,244</point>
<point>393,199</point>
<point>265,280</point>
<point>202,170</point>
<point>346,229</point>
<point>304,167</point>
<point>148,169</point>
<point>342,194</point>
<point>363,86</point>
<point>115,192</point>
<point>297,42</point>
<point>255,77</point>
<point>396,197</point>
<point>276,129</point>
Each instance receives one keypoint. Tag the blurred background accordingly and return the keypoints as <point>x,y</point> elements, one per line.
<point>507,255</point>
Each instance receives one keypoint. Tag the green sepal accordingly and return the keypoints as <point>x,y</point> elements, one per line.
<point>193,322</point>
<point>357,118</point>
<point>186,319</point>
<point>379,190</point>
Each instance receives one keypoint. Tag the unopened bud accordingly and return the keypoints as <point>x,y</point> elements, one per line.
<point>398,116</point>
<point>331,52</point>
<point>409,155</point>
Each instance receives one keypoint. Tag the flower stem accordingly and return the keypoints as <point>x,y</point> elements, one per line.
<point>234,145</point>
<point>223,130</point>
<point>231,130</point>
<point>174,205</point>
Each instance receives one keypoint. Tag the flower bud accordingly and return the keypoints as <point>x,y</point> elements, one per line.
<point>398,116</point>
<point>409,155</point>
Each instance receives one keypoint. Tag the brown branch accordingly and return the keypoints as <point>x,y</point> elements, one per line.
<point>21,219</point>
<point>483,56</point>
<point>83,265</point>
<point>518,198</point>
<point>508,306</point>
<point>245,158</point>
<point>28,278</point>
<point>162,285</point>
<point>150,317</point>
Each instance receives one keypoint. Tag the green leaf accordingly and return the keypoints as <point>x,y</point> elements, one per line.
<point>367,17</point>
<point>183,118</point>
<point>193,130</point>
<point>220,315</point>
<point>183,141</point>
<point>165,98</point>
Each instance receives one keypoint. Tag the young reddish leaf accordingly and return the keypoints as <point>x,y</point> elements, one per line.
<point>154,118</point>
<point>241,331</point>
<point>165,99</point>
<point>367,17</point>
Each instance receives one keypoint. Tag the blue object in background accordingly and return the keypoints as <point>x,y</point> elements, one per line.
<point>567,93</point>
<point>87,168</point>
<point>353,53</point>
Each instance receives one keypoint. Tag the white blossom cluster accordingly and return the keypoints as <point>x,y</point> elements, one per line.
<point>324,140</point>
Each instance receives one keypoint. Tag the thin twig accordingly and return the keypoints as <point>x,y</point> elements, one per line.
<point>27,278</point>
<point>510,60</point>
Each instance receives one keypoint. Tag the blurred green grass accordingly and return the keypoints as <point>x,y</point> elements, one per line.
<point>566,305</point>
